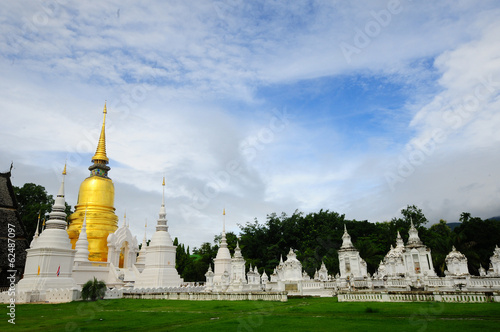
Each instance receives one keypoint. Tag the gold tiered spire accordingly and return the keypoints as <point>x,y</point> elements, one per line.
<point>100,154</point>
<point>97,195</point>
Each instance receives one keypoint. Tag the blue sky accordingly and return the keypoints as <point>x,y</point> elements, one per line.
<point>359,107</point>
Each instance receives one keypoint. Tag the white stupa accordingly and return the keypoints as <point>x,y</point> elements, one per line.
<point>350,263</point>
<point>82,244</point>
<point>222,262</point>
<point>49,260</point>
<point>456,263</point>
<point>237,265</point>
<point>159,270</point>
<point>417,257</point>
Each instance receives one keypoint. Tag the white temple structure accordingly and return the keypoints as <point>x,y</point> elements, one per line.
<point>494,269</point>
<point>222,262</point>
<point>122,254</point>
<point>229,272</point>
<point>288,276</point>
<point>413,260</point>
<point>417,256</point>
<point>322,273</point>
<point>351,265</point>
<point>393,264</point>
<point>159,269</point>
<point>456,263</point>
<point>237,266</point>
<point>49,261</point>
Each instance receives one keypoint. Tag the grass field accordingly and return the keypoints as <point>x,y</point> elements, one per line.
<point>298,314</point>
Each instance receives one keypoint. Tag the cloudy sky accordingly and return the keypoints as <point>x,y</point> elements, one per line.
<point>358,107</point>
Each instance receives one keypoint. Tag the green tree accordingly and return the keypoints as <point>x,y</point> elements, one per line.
<point>32,200</point>
<point>440,241</point>
<point>93,289</point>
<point>414,214</point>
<point>476,239</point>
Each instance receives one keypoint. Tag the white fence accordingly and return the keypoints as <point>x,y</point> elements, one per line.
<point>461,297</point>
<point>264,296</point>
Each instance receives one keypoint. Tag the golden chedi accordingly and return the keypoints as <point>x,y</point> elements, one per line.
<point>96,196</point>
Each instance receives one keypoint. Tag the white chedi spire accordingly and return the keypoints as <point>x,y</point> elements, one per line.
<point>82,244</point>
<point>35,238</point>
<point>413,238</point>
<point>161,236</point>
<point>162,220</point>
<point>237,251</point>
<point>57,218</point>
<point>159,269</point>
<point>49,263</point>
<point>144,239</point>
<point>222,261</point>
<point>346,240</point>
<point>55,235</point>
<point>399,241</point>
<point>223,252</point>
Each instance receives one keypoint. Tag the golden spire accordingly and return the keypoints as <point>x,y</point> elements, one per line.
<point>224,221</point>
<point>163,197</point>
<point>64,171</point>
<point>100,153</point>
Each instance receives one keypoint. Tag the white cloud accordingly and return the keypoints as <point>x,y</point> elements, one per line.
<point>184,85</point>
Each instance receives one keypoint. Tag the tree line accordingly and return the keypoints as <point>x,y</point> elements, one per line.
<point>316,237</point>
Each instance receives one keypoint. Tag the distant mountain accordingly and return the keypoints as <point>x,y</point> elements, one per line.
<point>452,225</point>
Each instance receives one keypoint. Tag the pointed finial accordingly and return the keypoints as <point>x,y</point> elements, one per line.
<point>37,224</point>
<point>100,154</point>
<point>163,196</point>
<point>64,171</point>
<point>146,223</point>
<point>224,220</point>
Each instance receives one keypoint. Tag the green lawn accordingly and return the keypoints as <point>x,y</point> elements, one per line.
<point>309,314</point>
